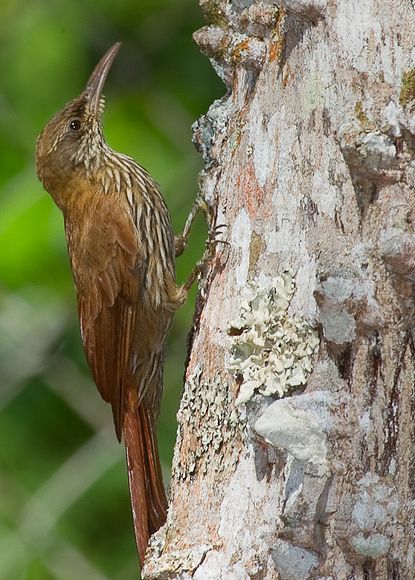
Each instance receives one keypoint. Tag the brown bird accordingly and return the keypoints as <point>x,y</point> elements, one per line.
<point>122,249</point>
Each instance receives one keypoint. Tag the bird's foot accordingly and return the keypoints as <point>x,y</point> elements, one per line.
<point>181,240</point>
<point>210,250</point>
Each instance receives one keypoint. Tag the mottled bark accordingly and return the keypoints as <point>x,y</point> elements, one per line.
<point>295,450</point>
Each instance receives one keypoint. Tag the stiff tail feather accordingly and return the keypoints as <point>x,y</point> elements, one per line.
<point>148,498</point>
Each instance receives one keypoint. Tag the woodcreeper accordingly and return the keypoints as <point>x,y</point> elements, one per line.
<point>122,253</point>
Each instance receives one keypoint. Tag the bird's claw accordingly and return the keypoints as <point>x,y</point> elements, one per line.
<point>180,242</point>
<point>208,255</point>
<point>212,239</point>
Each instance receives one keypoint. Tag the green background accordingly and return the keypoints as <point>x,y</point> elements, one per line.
<point>64,506</point>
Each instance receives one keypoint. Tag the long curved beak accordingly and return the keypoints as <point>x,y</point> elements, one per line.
<point>96,81</point>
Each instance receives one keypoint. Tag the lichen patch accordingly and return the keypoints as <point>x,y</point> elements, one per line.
<point>207,423</point>
<point>271,351</point>
<point>407,93</point>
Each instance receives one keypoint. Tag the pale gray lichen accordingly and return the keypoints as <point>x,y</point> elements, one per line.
<point>293,562</point>
<point>373,546</point>
<point>207,421</point>
<point>369,517</point>
<point>271,351</point>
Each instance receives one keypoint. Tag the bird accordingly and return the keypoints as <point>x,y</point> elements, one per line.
<point>122,252</point>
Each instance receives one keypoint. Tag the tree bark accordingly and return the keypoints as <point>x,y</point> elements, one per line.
<point>295,450</point>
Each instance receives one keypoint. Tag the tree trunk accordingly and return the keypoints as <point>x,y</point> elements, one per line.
<point>295,450</point>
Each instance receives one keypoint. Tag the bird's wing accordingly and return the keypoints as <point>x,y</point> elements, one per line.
<point>109,282</point>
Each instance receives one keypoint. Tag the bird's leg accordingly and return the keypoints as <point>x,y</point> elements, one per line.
<point>200,265</point>
<point>181,241</point>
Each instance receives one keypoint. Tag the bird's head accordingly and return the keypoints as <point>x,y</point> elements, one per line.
<point>72,140</point>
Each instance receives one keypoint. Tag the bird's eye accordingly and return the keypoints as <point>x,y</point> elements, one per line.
<point>75,124</point>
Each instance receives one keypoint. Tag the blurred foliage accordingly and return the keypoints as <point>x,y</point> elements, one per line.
<point>64,507</point>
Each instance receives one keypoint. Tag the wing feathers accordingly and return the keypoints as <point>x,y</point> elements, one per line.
<point>126,301</point>
<point>108,294</point>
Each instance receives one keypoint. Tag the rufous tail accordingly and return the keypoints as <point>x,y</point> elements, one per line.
<point>148,498</point>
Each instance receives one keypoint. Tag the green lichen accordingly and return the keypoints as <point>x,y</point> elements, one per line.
<point>407,93</point>
<point>256,248</point>
<point>362,117</point>
<point>213,12</point>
